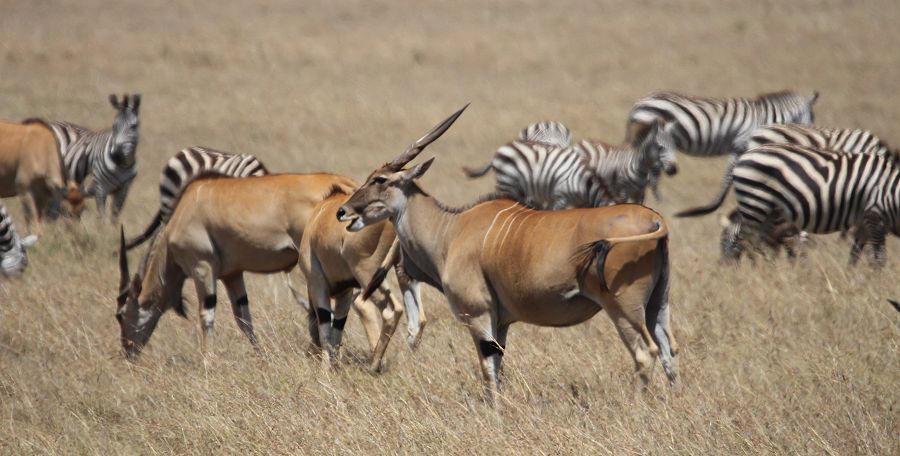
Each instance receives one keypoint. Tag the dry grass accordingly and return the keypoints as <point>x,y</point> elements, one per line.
<point>777,357</point>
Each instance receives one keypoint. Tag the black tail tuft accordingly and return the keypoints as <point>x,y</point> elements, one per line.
<point>586,256</point>
<point>895,304</point>
<point>697,211</point>
<point>179,308</point>
<point>478,172</point>
<point>602,249</point>
<point>148,233</point>
<point>376,282</point>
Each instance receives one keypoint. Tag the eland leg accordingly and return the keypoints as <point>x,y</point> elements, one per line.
<point>412,303</point>
<point>391,311</point>
<point>240,305</point>
<point>483,329</point>
<point>205,282</point>
<point>342,304</point>
<point>634,338</point>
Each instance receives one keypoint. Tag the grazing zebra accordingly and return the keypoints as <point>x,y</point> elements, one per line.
<point>838,140</point>
<point>102,163</point>
<point>707,127</point>
<point>628,170</point>
<point>187,165</point>
<point>13,255</point>
<point>545,177</point>
<point>547,132</point>
<point>819,192</point>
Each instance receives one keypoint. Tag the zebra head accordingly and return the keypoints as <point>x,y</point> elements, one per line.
<point>657,148</point>
<point>14,260</point>
<point>125,129</point>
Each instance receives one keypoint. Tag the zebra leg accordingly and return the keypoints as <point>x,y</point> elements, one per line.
<point>100,197</point>
<point>118,203</point>
<point>860,239</point>
<point>877,234</point>
<point>730,241</point>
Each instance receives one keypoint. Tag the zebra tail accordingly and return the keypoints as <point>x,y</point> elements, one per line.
<point>154,225</point>
<point>720,198</point>
<point>895,304</point>
<point>478,172</point>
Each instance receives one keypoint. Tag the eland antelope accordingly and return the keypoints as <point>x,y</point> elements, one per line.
<point>499,262</point>
<point>32,168</point>
<point>335,262</point>
<point>221,228</point>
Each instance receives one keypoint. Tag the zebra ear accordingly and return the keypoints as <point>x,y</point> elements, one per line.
<point>815,96</point>
<point>114,100</point>
<point>135,102</point>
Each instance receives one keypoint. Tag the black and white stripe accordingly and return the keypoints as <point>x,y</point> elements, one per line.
<point>547,132</point>
<point>844,140</point>
<point>13,255</point>
<point>819,192</point>
<point>545,177</point>
<point>838,140</point>
<point>706,127</point>
<point>627,170</point>
<point>187,165</point>
<point>102,163</point>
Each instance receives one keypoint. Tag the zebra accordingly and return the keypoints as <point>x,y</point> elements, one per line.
<point>545,177</point>
<point>838,140</point>
<point>187,165</point>
<point>102,163</point>
<point>628,170</point>
<point>709,127</point>
<point>548,132</point>
<point>13,254</point>
<point>817,191</point>
<point>843,140</point>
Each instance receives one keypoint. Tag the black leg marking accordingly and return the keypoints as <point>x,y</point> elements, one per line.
<point>490,348</point>
<point>323,315</point>
<point>209,302</point>
<point>242,301</point>
<point>339,323</point>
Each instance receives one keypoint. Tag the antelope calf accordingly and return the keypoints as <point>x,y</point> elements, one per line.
<point>335,262</point>
<point>32,168</point>
<point>498,262</point>
<point>221,228</point>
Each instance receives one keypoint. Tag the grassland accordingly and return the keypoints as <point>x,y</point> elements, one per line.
<point>778,357</point>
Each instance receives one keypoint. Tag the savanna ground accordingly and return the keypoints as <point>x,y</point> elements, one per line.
<point>777,357</point>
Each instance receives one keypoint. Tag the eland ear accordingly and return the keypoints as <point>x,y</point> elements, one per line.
<point>417,171</point>
<point>29,240</point>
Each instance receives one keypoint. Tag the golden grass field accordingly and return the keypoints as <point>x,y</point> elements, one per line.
<point>777,357</point>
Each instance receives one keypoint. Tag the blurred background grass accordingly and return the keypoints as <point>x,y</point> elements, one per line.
<point>778,357</point>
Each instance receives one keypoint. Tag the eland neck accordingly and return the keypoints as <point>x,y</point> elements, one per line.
<point>423,226</point>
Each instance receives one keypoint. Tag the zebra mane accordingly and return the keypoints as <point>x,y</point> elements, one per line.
<point>782,95</point>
